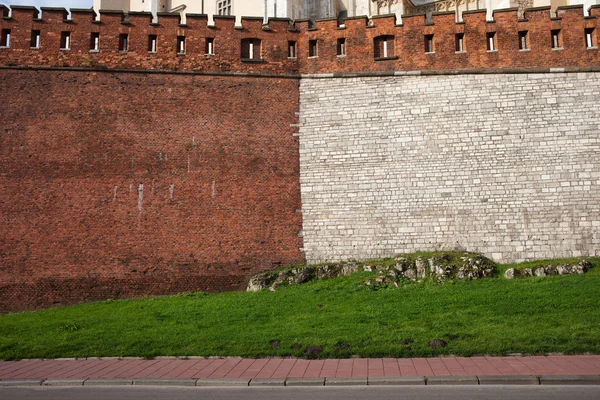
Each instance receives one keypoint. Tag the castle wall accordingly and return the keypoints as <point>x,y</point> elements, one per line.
<point>406,53</point>
<point>133,172</point>
<point>127,184</point>
<point>506,165</point>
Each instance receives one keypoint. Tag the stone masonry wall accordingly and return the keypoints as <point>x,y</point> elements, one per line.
<point>505,165</point>
<point>132,184</point>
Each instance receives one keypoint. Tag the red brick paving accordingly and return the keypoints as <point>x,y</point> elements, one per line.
<point>314,369</point>
<point>422,367</point>
<point>344,368</point>
<point>391,367</point>
<point>269,369</point>
<point>238,369</point>
<point>225,368</point>
<point>359,368</point>
<point>254,368</point>
<point>329,368</point>
<point>407,367</point>
<point>299,368</point>
<point>195,369</point>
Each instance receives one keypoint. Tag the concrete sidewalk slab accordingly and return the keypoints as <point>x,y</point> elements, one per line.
<point>267,382</point>
<point>63,382</point>
<point>570,379</point>
<point>108,382</point>
<point>305,382</point>
<point>222,382</point>
<point>452,380</point>
<point>22,382</point>
<point>345,381</point>
<point>508,380</point>
<point>164,382</point>
<point>397,380</point>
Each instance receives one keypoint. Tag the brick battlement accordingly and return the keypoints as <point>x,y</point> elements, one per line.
<point>133,41</point>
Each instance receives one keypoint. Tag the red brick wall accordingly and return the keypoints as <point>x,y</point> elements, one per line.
<point>217,159</point>
<point>409,42</point>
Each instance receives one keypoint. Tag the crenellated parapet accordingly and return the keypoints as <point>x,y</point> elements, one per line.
<point>135,41</point>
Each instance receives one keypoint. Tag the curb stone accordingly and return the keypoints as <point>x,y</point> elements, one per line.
<point>108,382</point>
<point>305,382</point>
<point>399,381</point>
<point>267,382</point>
<point>63,382</point>
<point>345,381</point>
<point>164,382</point>
<point>222,382</point>
<point>452,380</point>
<point>508,380</point>
<point>570,380</point>
<point>22,382</point>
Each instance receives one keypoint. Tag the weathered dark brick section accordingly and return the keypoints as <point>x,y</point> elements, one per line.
<point>217,159</point>
<point>406,53</point>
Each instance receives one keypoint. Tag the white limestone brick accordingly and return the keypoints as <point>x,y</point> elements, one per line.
<point>505,165</point>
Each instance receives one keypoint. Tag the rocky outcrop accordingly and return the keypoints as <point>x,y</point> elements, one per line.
<point>438,267</point>
<point>579,267</point>
<point>300,275</point>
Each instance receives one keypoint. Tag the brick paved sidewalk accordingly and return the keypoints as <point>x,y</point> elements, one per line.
<point>278,368</point>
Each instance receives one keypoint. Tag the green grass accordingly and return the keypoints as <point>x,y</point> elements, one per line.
<point>494,316</point>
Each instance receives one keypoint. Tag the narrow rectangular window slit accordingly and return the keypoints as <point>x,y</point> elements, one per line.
<point>95,41</point>
<point>291,49</point>
<point>589,38</point>
<point>460,42</point>
<point>35,39</point>
<point>123,42</point>
<point>491,41</point>
<point>312,48</point>
<point>341,47</point>
<point>5,38</point>
<point>65,40</point>
<point>210,46</point>
<point>180,44</point>
<point>429,44</point>
<point>251,49</point>
<point>523,45</point>
<point>556,40</point>
<point>152,39</point>
<point>383,46</point>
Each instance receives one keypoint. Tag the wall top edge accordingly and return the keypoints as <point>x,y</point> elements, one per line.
<point>17,7</point>
<point>82,11</point>
<point>541,8</point>
<point>570,7</point>
<point>376,20</point>
<point>505,10</point>
<point>54,9</point>
<point>480,11</point>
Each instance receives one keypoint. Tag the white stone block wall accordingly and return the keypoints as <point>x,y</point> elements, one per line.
<point>507,165</point>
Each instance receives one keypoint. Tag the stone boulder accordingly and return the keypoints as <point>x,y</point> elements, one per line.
<point>511,273</point>
<point>580,267</point>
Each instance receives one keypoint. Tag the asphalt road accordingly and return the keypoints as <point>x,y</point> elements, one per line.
<point>303,393</point>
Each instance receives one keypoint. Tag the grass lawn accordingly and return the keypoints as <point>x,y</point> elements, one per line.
<point>343,316</point>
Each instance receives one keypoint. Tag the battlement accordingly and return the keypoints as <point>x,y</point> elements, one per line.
<point>134,41</point>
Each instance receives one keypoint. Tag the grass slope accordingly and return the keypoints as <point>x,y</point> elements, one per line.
<point>494,316</point>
